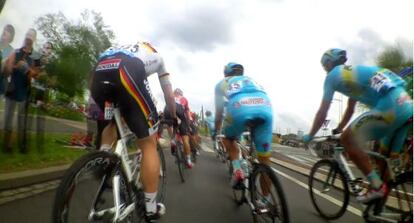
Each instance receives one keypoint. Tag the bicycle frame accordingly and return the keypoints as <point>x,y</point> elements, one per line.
<point>121,151</point>
<point>353,182</point>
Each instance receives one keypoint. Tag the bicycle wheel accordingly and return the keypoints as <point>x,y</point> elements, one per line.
<point>86,191</point>
<point>180,159</point>
<point>162,184</point>
<point>222,153</point>
<point>267,196</point>
<point>326,177</point>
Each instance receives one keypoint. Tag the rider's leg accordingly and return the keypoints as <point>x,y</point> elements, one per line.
<point>232,148</point>
<point>150,169</point>
<point>360,157</point>
<point>186,142</point>
<point>108,137</point>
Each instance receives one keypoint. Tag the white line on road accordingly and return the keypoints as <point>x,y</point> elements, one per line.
<point>205,148</point>
<point>327,197</point>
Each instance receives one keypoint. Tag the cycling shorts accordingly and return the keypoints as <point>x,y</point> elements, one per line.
<point>129,90</point>
<point>245,107</point>
<point>184,125</point>
<point>385,121</point>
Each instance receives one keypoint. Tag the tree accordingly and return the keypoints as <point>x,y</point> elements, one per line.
<point>77,46</point>
<point>393,58</point>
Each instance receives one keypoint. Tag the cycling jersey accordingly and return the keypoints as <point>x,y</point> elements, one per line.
<point>364,84</point>
<point>153,62</point>
<point>381,90</point>
<point>247,101</point>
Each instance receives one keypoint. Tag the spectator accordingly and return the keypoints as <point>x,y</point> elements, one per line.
<point>21,69</point>
<point>39,92</point>
<point>6,49</point>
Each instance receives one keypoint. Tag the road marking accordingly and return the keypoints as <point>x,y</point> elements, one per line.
<point>327,197</point>
<point>298,159</point>
<point>205,148</point>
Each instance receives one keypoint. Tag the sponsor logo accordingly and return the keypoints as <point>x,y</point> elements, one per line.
<point>150,62</point>
<point>403,99</point>
<point>108,64</point>
<point>253,101</point>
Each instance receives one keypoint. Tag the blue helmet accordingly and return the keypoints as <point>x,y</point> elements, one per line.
<point>335,56</point>
<point>233,69</point>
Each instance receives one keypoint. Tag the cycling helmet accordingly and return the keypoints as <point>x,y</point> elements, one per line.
<point>178,91</point>
<point>208,113</point>
<point>232,69</point>
<point>335,56</point>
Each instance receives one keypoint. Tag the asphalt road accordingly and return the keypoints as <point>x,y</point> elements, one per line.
<point>205,197</point>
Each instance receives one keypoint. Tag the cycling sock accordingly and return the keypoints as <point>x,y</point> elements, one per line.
<point>189,158</point>
<point>105,147</point>
<point>374,179</point>
<point>236,164</point>
<point>150,204</point>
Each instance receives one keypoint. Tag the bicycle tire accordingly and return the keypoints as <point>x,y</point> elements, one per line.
<point>65,190</point>
<point>222,153</point>
<point>180,159</point>
<point>283,213</point>
<point>335,168</point>
<point>162,185</point>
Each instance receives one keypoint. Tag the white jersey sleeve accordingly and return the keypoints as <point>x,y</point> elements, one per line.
<point>151,58</point>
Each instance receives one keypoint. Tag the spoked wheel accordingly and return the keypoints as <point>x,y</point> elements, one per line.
<point>326,179</point>
<point>86,192</point>
<point>162,184</point>
<point>267,196</point>
<point>180,160</point>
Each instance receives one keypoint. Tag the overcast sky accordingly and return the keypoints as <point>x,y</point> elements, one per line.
<point>279,42</point>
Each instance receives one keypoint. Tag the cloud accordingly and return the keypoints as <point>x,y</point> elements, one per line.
<point>364,49</point>
<point>200,28</point>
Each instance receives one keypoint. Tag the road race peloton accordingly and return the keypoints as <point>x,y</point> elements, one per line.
<point>390,107</point>
<point>247,101</point>
<point>126,69</point>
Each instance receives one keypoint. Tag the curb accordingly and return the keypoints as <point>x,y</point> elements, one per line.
<point>15,180</point>
<point>29,177</point>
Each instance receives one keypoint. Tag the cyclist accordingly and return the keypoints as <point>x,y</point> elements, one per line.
<point>210,124</point>
<point>183,113</point>
<point>126,68</point>
<point>247,101</point>
<point>383,92</point>
<point>194,136</point>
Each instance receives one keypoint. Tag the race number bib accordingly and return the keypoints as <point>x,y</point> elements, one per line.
<point>380,82</point>
<point>109,110</point>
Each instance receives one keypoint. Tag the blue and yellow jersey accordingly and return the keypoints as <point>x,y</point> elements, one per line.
<point>362,83</point>
<point>231,86</point>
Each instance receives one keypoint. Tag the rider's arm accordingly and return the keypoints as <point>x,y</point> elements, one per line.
<point>320,117</point>
<point>348,113</point>
<point>166,87</point>
<point>323,108</point>
<point>219,106</point>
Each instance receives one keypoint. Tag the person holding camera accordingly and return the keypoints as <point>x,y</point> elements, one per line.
<point>20,67</point>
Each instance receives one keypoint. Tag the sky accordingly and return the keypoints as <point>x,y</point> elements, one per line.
<point>279,42</point>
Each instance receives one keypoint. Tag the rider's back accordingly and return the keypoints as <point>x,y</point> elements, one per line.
<point>366,84</point>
